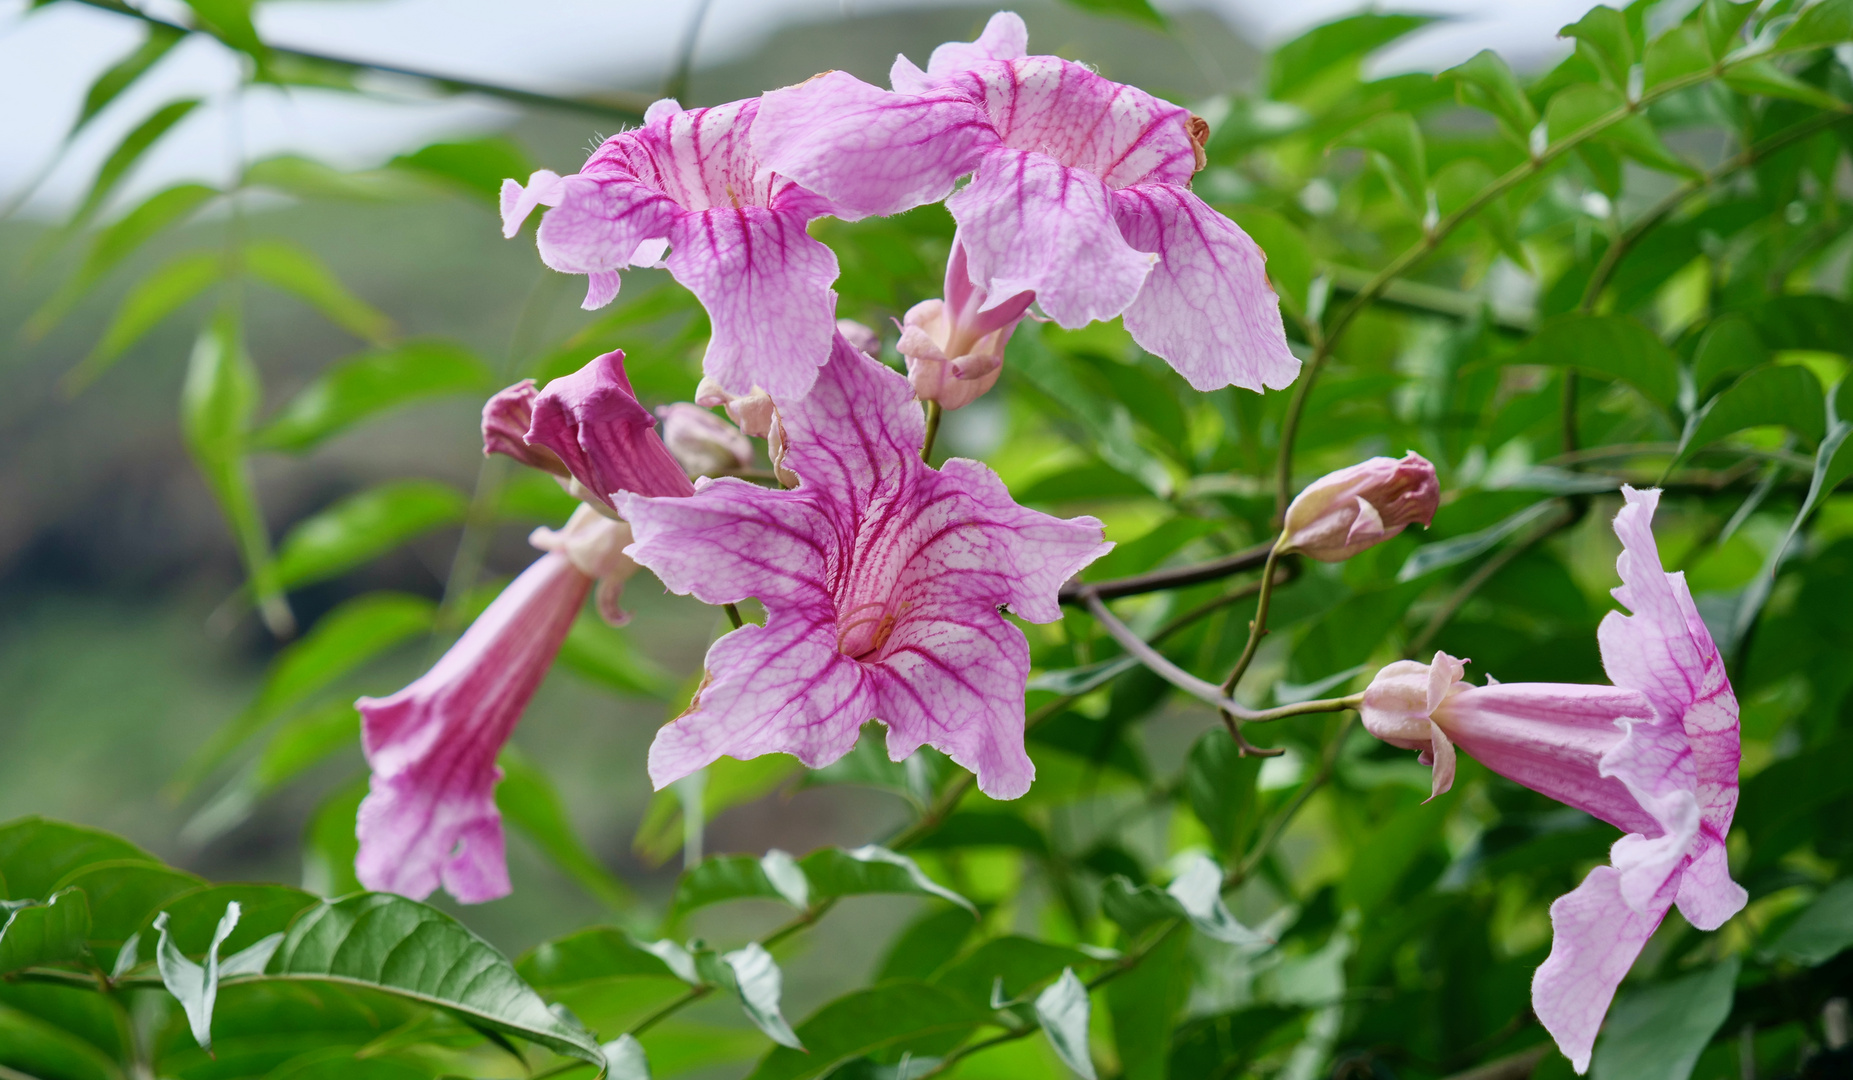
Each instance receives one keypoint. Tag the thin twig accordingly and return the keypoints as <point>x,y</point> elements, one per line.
<point>1076,592</point>
<point>677,85</point>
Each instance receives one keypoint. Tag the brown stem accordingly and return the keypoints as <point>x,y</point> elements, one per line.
<point>1076,592</point>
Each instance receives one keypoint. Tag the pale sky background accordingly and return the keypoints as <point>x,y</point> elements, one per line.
<point>49,57</point>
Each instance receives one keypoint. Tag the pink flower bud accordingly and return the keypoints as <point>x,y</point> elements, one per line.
<point>1342,513</point>
<point>754,412</point>
<point>506,417</point>
<point>954,347</point>
<point>595,545</point>
<point>705,444</point>
<point>860,336</point>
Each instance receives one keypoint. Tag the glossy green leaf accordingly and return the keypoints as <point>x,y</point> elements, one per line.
<point>123,896</point>
<point>359,940</point>
<point>1198,892</point>
<point>1289,258</point>
<point>1764,79</point>
<point>342,640</point>
<point>1062,1010</point>
<point>477,166</point>
<point>230,22</point>
<point>759,984</point>
<point>1679,52</point>
<point>888,1019</point>
<point>871,869</point>
<point>35,854</point>
<point>329,845</point>
<point>297,271</point>
<point>33,1048</point>
<point>528,801</point>
<point>720,878</point>
<point>1398,145</point>
<point>1219,783</point>
<point>370,383</point>
<point>117,241</point>
<point>119,76</point>
<point>588,956</point>
<point>1609,346</point>
<point>1804,321</point>
<point>1431,557</point>
<point>1604,32</point>
<point>1487,83</point>
<point>1299,62</point>
<point>625,1059</point>
<point>604,655</point>
<point>1581,107</point>
<point>297,745</point>
<point>196,986</point>
<point>1723,23</point>
<point>116,167</point>
<point>363,526</point>
<point>1772,394</point>
<point>985,828</point>
<point>149,302</point>
<point>1731,346</point>
<point>1145,1003</point>
<point>926,944</point>
<point>48,932</point>
<point>1822,931</point>
<point>1657,1032</point>
<point>1008,968</point>
<point>1829,22</point>
<point>193,917</point>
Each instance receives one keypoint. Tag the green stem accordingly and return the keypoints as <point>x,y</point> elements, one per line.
<point>1257,626</point>
<point>733,615</point>
<point>933,412</point>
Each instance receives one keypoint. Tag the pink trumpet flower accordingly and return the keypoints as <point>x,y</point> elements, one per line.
<point>429,817</point>
<point>688,182</point>
<point>1655,755</point>
<point>1342,513</point>
<point>592,421</point>
<point>882,580</point>
<point>1079,194</point>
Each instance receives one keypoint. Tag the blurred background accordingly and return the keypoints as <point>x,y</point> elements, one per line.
<point>123,641</point>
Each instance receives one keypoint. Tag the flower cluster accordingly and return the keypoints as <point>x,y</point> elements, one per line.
<point>885,581</point>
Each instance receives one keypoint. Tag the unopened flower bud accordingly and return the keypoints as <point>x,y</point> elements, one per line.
<point>954,347</point>
<point>705,444</point>
<point>754,412</point>
<point>1342,513</point>
<point>506,417</point>
<point>594,544</point>
<point>860,336</point>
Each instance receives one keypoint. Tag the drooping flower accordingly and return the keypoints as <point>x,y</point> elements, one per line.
<point>429,817</point>
<point>1079,193</point>
<point>882,580</point>
<point>705,444</point>
<point>592,421</point>
<point>688,181</point>
<point>1342,513</point>
<point>1655,755</point>
<point>954,346</point>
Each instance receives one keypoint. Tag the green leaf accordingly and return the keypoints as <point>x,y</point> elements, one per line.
<point>342,640</point>
<point>33,1048</point>
<point>306,178</point>
<point>589,956</point>
<point>527,799</point>
<point>35,854</point>
<point>230,22</point>
<point>150,301</point>
<point>1760,77</point>
<point>1680,51</point>
<point>603,654</point>
<point>1008,966</point>
<point>871,869</point>
<point>329,845</point>
<point>297,271</point>
<point>364,526</point>
<point>1289,258</point>
<point>123,73</point>
<point>297,745</point>
<point>1297,63</point>
<point>196,986</point>
<point>1772,394</point>
<point>118,241</point>
<point>625,1059</point>
<point>1731,346</point>
<point>1723,22</point>
<point>1575,108</point>
<point>123,896</point>
<point>1198,892</point>
<point>1829,22</point>
<point>1487,83</point>
<point>48,932</point>
<point>1136,908</point>
<point>1603,32</point>
<point>373,382</point>
<point>1609,346</point>
<point>1062,1010</point>
<point>891,1019</point>
<point>985,828</point>
<point>1219,783</point>
<point>1106,424</point>
<point>477,166</point>
<point>115,168</point>
<point>1451,552</point>
<point>1657,1032</point>
<point>1145,1003</point>
<point>923,947</point>
<point>360,941</point>
<point>1394,848</point>
<point>1824,929</point>
<point>1139,11</point>
<point>759,984</point>
<point>1224,1045</point>
<point>731,782</point>
<point>1397,144</point>
<point>1806,322</point>
<point>263,910</point>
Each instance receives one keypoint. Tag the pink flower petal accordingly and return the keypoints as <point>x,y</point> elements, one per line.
<point>766,285</point>
<point>1441,753</point>
<point>868,150</point>
<point>600,221</point>
<point>1029,223</point>
<point>882,581</point>
<point>1595,938</point>
<point>543,189</point>
<point>1005,37</point>
<point>593,421</point>
<point>1207,308</point>
<point>430,814</point>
